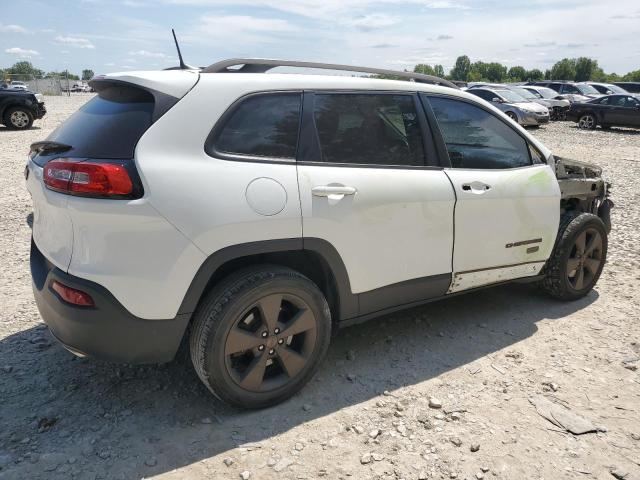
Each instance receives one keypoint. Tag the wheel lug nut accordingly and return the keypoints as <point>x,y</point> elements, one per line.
<point>261,347</point>
<point>281,341</point>
<point>271,351</point>
<point>265,334</point>
<point>276,331</point>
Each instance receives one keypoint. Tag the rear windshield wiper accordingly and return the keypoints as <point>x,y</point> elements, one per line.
<point>49,146</point>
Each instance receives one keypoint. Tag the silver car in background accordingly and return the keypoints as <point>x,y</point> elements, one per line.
<point>558,107</point>
<point>519,109</point>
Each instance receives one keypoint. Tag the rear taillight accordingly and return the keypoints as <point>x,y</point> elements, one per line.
<point>88,178</point>
<point>72,295</point>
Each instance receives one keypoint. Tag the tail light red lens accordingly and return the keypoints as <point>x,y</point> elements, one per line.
<point>71,295</point>
<point>80,177</point>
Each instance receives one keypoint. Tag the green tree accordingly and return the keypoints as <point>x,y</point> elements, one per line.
<point>632,76</point>
<point>439,71</point>
<point>87,74</point>
<point>518,73</point>
<point>461,69</point>
<point>565,69</point>
<point>585,69</point>
<point>496,72</point>
<point>25,68</point>
<point>534,74</point>
<point>424,69</point>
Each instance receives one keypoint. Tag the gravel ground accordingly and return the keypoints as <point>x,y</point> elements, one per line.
<point>372,412</point>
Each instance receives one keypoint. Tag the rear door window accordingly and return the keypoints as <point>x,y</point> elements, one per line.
<point>475,138</point>
<point>109,125</point>
<point>369,129</point>
<point>264,125</point>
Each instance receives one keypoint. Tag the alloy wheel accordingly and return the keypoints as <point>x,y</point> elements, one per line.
<point>587,122</point>
<point>270,343</point>
<point>585,259</point>
<point>19,119</point>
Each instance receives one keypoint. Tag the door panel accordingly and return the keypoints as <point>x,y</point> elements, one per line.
<point>503,218</point>
<point>397,225</point>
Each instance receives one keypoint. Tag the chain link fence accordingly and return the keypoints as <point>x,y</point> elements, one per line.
<point>49,85</point>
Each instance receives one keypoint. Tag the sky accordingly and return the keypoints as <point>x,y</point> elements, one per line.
<point>119,35</point>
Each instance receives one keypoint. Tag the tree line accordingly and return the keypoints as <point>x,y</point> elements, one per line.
<point>577,69</point>
<point>27,69</point>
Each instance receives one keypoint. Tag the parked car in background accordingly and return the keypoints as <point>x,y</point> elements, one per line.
<point>572,91</point>
<point>19,108</point>
<point>519,109</point>
<point>608,88</point>
<point>631,87</point>
<point>608,111</point>
<point>15,85</point>
<point>557,107</point>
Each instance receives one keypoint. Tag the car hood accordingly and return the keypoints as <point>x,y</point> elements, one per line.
<point>531,106</point>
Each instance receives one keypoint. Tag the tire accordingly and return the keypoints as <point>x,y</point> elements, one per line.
<point>578,258</point>
<point>587,121</point>
<point>229,349</point>
<point>512,116</point>
<point>18,118</point>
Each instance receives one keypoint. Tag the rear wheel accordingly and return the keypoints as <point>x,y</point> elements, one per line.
<point>578,257</point>
<point>260,335</point>
<point>18,118</point>
<point>587,121</point>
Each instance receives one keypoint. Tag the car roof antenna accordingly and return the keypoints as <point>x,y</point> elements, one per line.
<point>183,66</point>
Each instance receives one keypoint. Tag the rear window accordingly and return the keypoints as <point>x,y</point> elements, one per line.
<point>109,125</point>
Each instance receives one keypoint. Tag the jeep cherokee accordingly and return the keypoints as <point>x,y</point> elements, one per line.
<point>252,214</point>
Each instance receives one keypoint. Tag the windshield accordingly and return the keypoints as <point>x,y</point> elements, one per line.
<point>547,92</point>
<point>586,89</point>
<point>523,92</point>
<point>615,88</point>
<point>510,96</point>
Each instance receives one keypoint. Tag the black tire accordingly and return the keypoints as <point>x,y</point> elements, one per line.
<point>562,280</point>
<point>232,316</point>
<point>18,118</point>
<point>512,116</point>
<point>587,121</point>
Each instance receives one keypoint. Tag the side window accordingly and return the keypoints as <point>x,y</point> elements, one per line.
<point>484,94</point>
<point>262,126</point>
<point>476,138</point>
<point>369,129</point>
<point>630,102</point>
<point>570,89</point>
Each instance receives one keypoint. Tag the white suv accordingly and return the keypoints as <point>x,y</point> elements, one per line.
<point>252,214</point>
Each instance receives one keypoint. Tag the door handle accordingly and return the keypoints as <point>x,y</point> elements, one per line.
<point>334,192</point>
<point>476,187</point>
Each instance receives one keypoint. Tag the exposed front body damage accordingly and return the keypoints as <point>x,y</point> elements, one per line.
<point>583,188</point>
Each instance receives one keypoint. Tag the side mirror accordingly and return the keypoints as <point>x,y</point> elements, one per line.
<point>496,99</point>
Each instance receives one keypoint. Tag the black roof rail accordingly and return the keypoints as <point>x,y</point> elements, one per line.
<point>262,65</point>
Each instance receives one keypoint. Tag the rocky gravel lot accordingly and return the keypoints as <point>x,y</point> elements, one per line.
<point>445,391</point>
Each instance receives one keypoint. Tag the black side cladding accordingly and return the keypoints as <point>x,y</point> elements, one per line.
<point>110,125</point>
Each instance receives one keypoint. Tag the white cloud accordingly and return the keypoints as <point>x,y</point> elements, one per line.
<point>444,4</point>
<point>22,52</point>
<point>374,21</point>
<point>73,41</point>
<point>245,27</point>
<point>12,29</point>
<point>147,54</point>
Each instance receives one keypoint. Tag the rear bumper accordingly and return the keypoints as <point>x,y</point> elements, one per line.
<point>107,331</point>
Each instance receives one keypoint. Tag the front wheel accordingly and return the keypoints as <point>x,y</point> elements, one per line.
<point>578,257</point>
<point>587,121</point>
<point>18,118</point>
<point>260,335</point>
<point>512,116</point>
